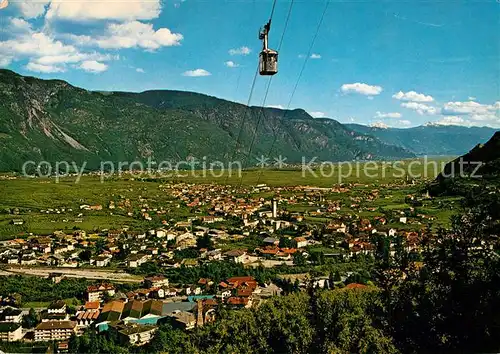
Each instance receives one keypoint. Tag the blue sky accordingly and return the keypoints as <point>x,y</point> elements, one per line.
<point>385,63</point>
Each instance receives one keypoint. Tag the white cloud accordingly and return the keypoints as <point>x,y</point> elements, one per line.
<point>412,96</point>
<point>485,117</point>
<point>278,106</point>
<point>470,113</point>
<point>450,120</point>
<point>104,10</point>
<point>404,122</point>
<point>362,89</point>
<point>140,70</point>
<point>381,115</point>
<point>240,51</point>
<point>40,68</point>
<point>74,58</point>
<point>19,25</point>
<point>456,120</point>
<point>315,56</point>
<point>34,44</point>
<point>79,40</point>
<point>317,114</point>
<point>469,107</point>
<point>380,125</point>
<point>133,34</point>
<point>93,66</point>
<point>421,108</point>
<point>231,64</point>
<point>5,61</point>
<point>460,120</point>
<point>196,73</point>
<point>32,8</point>
<point>45,53</point>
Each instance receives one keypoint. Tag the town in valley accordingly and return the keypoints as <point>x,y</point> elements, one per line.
<point>182,250</point>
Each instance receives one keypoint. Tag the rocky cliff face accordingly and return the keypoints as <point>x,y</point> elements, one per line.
<point>54,121</point>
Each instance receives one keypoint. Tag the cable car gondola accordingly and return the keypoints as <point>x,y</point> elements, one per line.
<point>268,58</point>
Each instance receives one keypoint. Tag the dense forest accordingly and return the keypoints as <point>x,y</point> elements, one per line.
<point>448,303</point>
<point>221,270</point>
<point>27,289</point>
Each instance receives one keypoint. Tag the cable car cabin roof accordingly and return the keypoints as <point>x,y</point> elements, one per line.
<point>269,52</point>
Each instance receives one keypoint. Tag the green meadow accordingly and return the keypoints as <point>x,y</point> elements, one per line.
<point>49,204</point>
<point>325,175</point>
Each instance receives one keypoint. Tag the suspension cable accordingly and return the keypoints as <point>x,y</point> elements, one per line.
<point>286,24</point>
<point>245,114</point>
<point>282,119</point>
<point>262,110</point>
<point>272,11</point>
<point>249,99</point>
<point>254,135</point>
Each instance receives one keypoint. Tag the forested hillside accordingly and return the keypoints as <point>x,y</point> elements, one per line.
<point>474,172</point>
<point>54,121</point>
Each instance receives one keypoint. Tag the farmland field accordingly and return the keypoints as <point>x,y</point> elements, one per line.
<point>48,204</point>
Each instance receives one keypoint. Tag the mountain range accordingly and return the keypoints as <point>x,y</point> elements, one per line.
<point>430,139</point>
<point>52,120</point>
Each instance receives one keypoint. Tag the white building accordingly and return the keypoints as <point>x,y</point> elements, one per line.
<point>54,330</point>
<point>57,307</point>
<point>135,334</point>
<point>301,242</point>
<point>10,314</point>
<point>96,292</point>
<point>136,260</point>
<point>156,281</point>
<point>10,332</point>
<point>161,233</point>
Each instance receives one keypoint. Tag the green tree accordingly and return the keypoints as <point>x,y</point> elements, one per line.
<point>204,241</point>
<point>299,259</point>
<point>18,298</point>
<point>100,245</point>
<point>31,319</point>
<point>453,303</point>
<point>286,242</point>
<point>170,340</point>
<point>85,255</point>
<point>351,321</point>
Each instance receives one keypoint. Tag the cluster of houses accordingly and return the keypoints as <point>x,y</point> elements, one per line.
<point>222,216</point>
<point>271,220</point>
<point>283,232</point>
<point>135,315</point>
